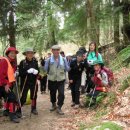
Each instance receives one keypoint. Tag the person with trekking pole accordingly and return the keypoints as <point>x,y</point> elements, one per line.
<point>28,72</point>
<point>7,80</point>
<point>42,77</point>
<point>56,67</point>
<point>75,73</point>
<point>83,78</point>
<point>100,80</point>
<point>92,56</point>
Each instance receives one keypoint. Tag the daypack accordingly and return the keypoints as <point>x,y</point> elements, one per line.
<point>110,75</point>
<point>49,65</point>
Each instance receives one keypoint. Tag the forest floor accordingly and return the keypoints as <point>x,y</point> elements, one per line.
<point>46,120</point>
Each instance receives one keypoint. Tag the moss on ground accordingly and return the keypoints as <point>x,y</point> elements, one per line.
<point>103,126</point>
<point>125,84</point>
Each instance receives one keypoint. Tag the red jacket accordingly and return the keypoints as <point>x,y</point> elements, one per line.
<point>98,84</point>
<point>3,72</point>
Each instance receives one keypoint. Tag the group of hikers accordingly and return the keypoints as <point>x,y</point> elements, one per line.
<point>85,72</point>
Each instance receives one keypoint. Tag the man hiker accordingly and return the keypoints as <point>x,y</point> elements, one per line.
<point>75,73</point>
<point>56,67</point>
<point>28,72</point>
<point>7,80</point>
<point>42,77</point>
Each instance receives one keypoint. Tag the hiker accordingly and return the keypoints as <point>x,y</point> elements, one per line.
<point>100,80</point>
<point>28,72</point>
<point>43,77</point>
<point>48,55</point>
<point>69,58</point>
<point>75,73</point>
<point>83,78</point>
<point>83,49</point>
<point>7,79</point>
<point>62,54</point>
<point>56,67</point>
<point>92,56</point>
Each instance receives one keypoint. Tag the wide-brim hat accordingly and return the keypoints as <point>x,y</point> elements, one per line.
<point>55,47</point>
<point>11,49</point>
<point>28,50</point>
<point>98,62</point>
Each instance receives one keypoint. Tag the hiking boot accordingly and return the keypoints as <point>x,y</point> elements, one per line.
<point>73,104</point>
<point>34,111</point>
<point>6,113</point>
<point>14,118</point>
<point>53,107</point>
<point>59,111</point>
<point>19,113</point>
<point>41,92</point>
<point>76,106</point>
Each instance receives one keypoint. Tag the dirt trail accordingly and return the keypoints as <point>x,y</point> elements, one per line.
<point>47,120</point>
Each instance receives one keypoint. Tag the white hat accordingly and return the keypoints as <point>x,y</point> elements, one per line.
<point>28,50</point>
<point>55,47</point>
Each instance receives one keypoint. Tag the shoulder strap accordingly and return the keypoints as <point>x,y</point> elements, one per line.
<point>48,66</point>
<point>24,61</point>
<point>97,54</point>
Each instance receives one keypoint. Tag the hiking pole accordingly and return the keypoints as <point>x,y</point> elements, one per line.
<point>18,95</point>
<point>34,94</point>
<point>92,96</point>
<point>23,86</point>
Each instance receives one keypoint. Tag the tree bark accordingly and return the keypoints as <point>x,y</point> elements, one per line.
<point>94,21</point>
<point>116,26</point>
<point>126,23</point>
<point>11,28</point>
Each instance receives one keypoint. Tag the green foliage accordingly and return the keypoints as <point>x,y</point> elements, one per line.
<point>125,84</point>
<point>109,125</point>
<point>101,97</point>
<point>121,59</point>
<point>75,29</point>
<point>111,98</point>
<point>99,100</point>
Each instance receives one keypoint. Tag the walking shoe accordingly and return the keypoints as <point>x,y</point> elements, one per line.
<point>59,111</point>
<point>41,92</point>
<point>76,107</point>
<point>18,113</point>
<point>73,104</point>
<point>14,118</point>
<point>34,111</point>
<point>6,113</point>
<point>53,107</point>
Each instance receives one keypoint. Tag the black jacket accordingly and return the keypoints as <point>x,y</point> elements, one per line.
<point>76,70</point>
<point>23,67</point>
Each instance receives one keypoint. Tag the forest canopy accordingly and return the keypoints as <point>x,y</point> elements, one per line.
<point>42,23</point>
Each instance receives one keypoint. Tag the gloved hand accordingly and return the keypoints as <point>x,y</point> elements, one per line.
<point>30,71</point>
<point>35,72</point>
<point>90,62</point>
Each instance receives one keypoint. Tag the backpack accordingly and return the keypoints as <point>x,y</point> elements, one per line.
<point>110,75</point>
<point>49,64</point>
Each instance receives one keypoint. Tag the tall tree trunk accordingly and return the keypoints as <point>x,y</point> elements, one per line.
<point>116,26</point>
<point>51,26</point>
<point>94,21</point>
<point>11,28</point>
<point>126,23</point>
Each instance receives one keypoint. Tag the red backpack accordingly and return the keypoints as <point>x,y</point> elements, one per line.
<point>110,75</point>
